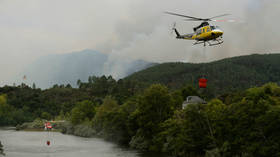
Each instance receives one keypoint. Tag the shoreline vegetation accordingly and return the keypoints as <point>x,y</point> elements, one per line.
<point>1,149</point>
<point>243,124</point>
<point>38,125</point>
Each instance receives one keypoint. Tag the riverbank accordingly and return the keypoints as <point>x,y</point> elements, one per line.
<point>64,127</point>
<point>81,130</point>
<point>39,125</point>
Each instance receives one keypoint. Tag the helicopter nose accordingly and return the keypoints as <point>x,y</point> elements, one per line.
<point>221,33</point>
<point>218,33</point>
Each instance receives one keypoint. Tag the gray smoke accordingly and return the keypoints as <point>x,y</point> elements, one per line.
<point>146,34</point>
<point>129,30</point>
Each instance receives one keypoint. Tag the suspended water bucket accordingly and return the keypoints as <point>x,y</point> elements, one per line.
<point>202,83</point>
<point>48,127</point>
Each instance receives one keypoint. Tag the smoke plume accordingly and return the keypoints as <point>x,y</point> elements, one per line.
<point>128,30</point>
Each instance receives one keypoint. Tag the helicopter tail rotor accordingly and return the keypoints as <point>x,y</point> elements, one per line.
<point>173,28</point>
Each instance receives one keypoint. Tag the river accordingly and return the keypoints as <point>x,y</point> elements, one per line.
<point>33,144</point>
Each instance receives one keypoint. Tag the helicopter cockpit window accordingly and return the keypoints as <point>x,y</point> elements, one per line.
<point>213,27</point>
<point>199,32</point>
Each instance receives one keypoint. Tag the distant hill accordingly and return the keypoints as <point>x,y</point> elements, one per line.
<point>223,76</point>
<point>68,68</point>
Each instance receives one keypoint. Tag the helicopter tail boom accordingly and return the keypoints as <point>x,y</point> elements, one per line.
<point>179,36</point>
<point>177,33</point>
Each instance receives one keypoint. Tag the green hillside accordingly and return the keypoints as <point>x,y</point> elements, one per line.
<point>223,76</point>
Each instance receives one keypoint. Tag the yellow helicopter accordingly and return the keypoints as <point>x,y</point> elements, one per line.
<point>204,33</point>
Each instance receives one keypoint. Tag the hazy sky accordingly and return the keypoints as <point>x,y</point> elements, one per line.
<point>129,29</point>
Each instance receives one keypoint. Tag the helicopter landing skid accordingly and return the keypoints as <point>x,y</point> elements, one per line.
<point>200,42</point>
<point>217,42</point>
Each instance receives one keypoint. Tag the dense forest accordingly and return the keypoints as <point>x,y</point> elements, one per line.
<point>24,103</point>
<point>231,74</point>
<point>141,113</point>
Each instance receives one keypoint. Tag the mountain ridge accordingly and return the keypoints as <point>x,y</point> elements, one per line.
<point>228,74</point>
<point>70,67</point>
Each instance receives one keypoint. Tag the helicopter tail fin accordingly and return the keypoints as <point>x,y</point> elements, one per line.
<point>175,30</point>
<point>177,33</point>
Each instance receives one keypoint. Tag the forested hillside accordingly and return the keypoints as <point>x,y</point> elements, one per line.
<point>223,76</point>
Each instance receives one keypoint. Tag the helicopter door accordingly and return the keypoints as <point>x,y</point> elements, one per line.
<point>208,29</point>
<point>205,29</point>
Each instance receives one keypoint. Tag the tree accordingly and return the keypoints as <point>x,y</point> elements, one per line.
<point>154,108</point>
<point>112,120</point>
<point>79,83</point>
<point>46,115</point>
<point>1,149</point>
<point>33,86</point>
<point>189,91</point>
<point>82,111</point>
<point>6,112</point>
<point>68,86</point>
<point>103,118</point>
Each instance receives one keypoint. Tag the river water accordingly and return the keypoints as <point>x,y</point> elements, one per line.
<point>33,144</point>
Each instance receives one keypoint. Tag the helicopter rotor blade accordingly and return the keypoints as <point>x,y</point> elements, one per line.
<point>218,16</point>
<point>191,17</point>
<point>191,20</point>
<point>226,20</point>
